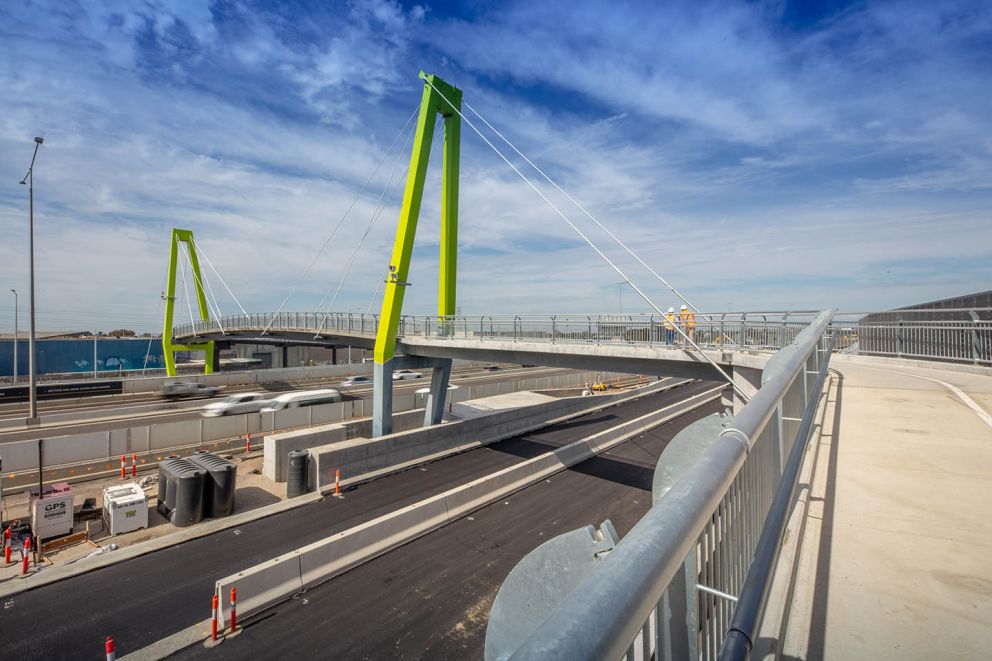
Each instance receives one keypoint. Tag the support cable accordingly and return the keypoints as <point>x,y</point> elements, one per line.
<point>207,292</point>
<point>586,212</point>
<point>377,213</point>
<point>313,261</point>
<point>182,272</point>
<point>592,245</point>
<point>199,249</point>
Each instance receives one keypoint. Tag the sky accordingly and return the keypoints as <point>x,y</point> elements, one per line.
<point>758,155</point>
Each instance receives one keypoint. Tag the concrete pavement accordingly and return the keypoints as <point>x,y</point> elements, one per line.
<point>896,558</point>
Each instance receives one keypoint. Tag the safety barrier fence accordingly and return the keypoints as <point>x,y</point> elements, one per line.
<point>952,335</point>
<point>669,588</point>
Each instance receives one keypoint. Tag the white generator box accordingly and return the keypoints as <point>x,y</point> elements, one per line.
<point>51,514</point>
<point>125,508</point>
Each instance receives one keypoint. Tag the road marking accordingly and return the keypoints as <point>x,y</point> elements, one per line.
<point>968,401</point>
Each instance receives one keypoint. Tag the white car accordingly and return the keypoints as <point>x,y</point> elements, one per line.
<point>400,375</point>
<point>246,402</point>
<point>292,400</point>
<point>356,381</point>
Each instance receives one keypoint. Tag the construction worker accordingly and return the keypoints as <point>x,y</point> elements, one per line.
<point>670,321</point>
<point>688,322</point>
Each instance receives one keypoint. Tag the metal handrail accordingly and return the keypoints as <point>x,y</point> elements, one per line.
<point>601,617</point>
<point>754,594</point>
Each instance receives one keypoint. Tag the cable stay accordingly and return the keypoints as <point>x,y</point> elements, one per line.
<point>586,212</point>
<point>376,215</point>
<point>199,249</point>
<point>592,245</point>
<point>330,236</point>
<point>215,308</point>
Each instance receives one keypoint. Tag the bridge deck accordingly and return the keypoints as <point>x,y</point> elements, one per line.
<point>896,559</point>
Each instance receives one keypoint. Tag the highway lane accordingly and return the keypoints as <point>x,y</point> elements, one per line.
<point>430,599</point>
<point>153,596</point>
<point>48,407</point>
<point>191,412</point>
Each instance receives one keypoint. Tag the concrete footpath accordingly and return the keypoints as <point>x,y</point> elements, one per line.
<point>896,556</point>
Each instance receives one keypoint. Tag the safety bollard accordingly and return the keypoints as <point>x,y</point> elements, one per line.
<point>234,610</point>
<point>6,545</point>
<point>27,556</point>
<point>111,651</point>
<point>213,617</point>
<point>123,467</point>
<point>6,555</point>
<point>337,482</point>
<point>134,465</point>
<point>248,443</point>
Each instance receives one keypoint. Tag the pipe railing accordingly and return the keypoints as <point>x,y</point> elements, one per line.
<point>958,335</point>
<point>706,525</point>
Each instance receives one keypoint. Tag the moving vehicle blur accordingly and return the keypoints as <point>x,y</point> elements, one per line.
<point>400,375</point>
<point>356,381</point>
<point>294,400</point>
<point>247,402</point>
<point>180,389</point>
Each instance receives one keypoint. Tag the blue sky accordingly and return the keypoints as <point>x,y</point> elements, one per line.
<point>780,155</point>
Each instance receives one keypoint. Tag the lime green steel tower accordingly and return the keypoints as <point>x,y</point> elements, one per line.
<point>438,97</point>
<point>168,347</point>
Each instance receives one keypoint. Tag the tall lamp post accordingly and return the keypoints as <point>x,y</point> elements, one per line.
<point>14,292</point>
<point>32,384</point>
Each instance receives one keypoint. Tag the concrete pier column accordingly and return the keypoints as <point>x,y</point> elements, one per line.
<point>439,392</point>
<point>747,379</point>
<point>382,398</point>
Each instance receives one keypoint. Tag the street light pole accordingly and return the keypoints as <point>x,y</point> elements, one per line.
<point>14,292</point>
<point>32,382</point>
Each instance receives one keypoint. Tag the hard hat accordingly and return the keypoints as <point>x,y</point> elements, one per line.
<point>671,309</point>
<point>683,307</point>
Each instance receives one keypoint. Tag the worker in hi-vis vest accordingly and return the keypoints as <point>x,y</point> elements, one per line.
<point>688,322</point>
<point>670,321</point>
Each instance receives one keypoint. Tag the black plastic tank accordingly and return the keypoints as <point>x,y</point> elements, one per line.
<point>296,480</point>
<point>183,503</point>
<point>219,486</point>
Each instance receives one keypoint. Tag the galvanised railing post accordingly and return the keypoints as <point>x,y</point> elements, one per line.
<point>516,321</point>
<point>553,320</point>
<point>743,337</point>
<point>899,335</point>
<point>651,330</point>
<point>589,334</point>
<point>723,317</point>
<point>975,347</point>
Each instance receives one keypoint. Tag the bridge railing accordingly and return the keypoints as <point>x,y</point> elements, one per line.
<point>697,564</point>
<point>957,335</point>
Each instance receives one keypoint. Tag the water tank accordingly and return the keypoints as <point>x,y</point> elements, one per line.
<point>183,502</point>
<point>219,485</point>
<point>296,483</point>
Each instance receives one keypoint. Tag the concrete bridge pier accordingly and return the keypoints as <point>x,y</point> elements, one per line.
<point>382,398</point>
<point>441,374</point>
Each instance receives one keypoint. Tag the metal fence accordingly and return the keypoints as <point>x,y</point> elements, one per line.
<point>951,335</point>
<point>669,588</point>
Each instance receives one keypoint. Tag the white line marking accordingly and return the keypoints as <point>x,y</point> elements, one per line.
<point>968,401</point>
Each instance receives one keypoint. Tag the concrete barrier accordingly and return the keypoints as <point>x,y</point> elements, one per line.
<point>363,457</point>
<point>264,584</point>
<point>320,561</point>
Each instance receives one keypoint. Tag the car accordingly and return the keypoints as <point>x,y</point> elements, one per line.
<point>491,368</point>
<point>178,389</point>
<point>356,381</point>
<point>245,402</point>
<point>292,400</point>
<point>401,375</point>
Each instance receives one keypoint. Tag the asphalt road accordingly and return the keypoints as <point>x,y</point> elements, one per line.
<point>117,417</point>
<point>153,596</point>
<point>431,598</point>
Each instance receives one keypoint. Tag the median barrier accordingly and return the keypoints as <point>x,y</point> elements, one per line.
<point>364,456</point>
<point>270,582</point>
<point>338,553</point>
<point>322,560</point>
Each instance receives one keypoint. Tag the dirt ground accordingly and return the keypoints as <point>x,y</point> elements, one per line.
<point>253,491</point>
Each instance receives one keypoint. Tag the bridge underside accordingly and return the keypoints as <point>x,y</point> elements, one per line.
<point>291,339</point>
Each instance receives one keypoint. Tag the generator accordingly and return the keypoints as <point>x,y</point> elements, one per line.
<point>51,512</point>
<point>125,508</point>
